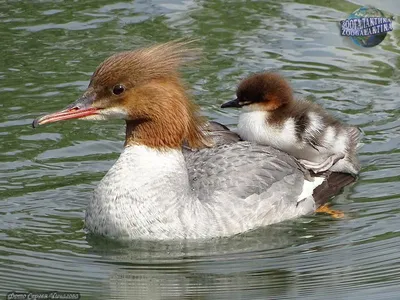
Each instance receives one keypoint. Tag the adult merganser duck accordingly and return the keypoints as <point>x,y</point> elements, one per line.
<point>271,116</point>
<point>156,191</point>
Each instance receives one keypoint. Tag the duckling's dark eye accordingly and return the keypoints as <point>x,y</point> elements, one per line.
<point>118,89</point>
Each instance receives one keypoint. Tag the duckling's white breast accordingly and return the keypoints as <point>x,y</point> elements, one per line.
<point>253,127</point>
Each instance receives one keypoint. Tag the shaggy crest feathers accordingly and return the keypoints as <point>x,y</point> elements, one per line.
<point>147,63</point>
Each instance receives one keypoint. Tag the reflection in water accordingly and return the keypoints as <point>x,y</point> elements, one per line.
<point>47,175</point>
<point>227,267</point>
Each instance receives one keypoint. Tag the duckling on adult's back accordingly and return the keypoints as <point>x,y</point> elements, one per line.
<point>271,116</point>
<point>154,191</point>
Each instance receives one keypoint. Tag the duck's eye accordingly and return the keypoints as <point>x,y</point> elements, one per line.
<point>118,89</point>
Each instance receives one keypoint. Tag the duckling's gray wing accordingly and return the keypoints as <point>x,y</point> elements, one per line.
<point>243,169</point>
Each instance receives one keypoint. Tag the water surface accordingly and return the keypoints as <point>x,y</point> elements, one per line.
<point>49,50</point>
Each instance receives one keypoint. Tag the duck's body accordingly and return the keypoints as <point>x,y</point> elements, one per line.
<point>160,188</point>
<point>270,116</point>
<point>152,194</point>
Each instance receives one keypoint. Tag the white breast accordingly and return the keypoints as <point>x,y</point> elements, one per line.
<point>253,127</point>
<point>139,195</point>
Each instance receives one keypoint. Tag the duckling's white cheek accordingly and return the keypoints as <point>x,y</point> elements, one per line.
<point>109,113</point>
<point>253,108</point>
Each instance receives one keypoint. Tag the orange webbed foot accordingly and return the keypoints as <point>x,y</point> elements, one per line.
<point>337,214</point>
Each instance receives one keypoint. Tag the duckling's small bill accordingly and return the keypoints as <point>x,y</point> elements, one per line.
<point>232,103</point>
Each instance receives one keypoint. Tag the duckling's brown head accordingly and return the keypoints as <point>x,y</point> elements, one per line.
<point>263,91</point>
<point>142,87</point>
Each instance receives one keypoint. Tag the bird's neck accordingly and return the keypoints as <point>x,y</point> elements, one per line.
<point>156,134</point>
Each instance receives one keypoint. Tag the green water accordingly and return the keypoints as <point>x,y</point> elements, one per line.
<point>49,50</point>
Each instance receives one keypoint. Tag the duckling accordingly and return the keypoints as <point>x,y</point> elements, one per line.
<point>271,116</point>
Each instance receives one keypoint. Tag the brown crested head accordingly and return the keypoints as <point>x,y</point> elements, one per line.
<point>268,91</point>
<point>144,88</point>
